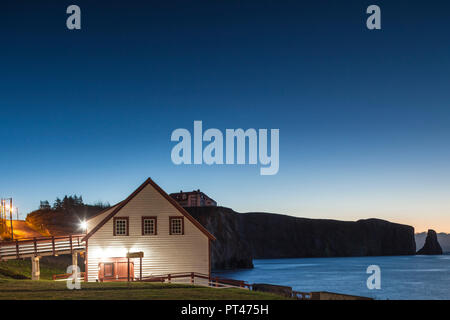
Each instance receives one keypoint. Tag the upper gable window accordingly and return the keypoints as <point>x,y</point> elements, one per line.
<point>176,225</point>
<point>148,226</point>
<point>121,226</point>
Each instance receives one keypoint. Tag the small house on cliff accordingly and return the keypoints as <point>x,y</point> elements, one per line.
<point>194,198</point>
<point>146,234</point>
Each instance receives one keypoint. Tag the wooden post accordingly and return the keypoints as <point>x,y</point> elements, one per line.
<point>169,279</point>
<point>128,267</point>
<point>192,278</point>
<point>140,268</point>
<point>35,246</point>
<point>17,249</point>
<point>53,245</point>
<point>71,247</point>
<point>75,259</point>
<point>35,270</point>
<point>75,264</point>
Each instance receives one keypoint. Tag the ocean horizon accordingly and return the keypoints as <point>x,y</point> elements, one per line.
<point>402,277</point>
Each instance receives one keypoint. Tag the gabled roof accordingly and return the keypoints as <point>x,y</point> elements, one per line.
<point>123,203</point>
<point>104,210</point>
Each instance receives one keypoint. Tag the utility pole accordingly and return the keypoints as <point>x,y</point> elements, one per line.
<point>1,216</point>
<point>10,217</point>
<point>4,216</point>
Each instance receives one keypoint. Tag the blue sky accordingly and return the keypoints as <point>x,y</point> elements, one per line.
<point>363,115</point>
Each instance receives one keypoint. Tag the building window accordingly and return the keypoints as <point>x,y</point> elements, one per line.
<point>176,225</point>
<point>148,226</point>
<point>121,226</point>
<point>194,201</point>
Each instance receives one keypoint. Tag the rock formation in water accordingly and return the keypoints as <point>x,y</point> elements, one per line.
<point>244,236</point>
<point>443,239</point>
<point>432,245</point>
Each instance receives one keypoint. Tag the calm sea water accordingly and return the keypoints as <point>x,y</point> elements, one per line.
<point>402,277</point>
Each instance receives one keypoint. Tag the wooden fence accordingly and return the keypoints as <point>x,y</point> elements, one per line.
<point>43,246</point>
<point>192,276</point>
<point>67,275</point>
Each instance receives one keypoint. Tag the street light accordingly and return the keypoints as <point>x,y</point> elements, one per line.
<point>16,211</point>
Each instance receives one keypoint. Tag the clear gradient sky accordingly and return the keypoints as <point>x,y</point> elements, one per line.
<point>364,116</point>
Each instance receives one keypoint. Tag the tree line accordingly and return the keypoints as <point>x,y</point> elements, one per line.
<point>67,203</point>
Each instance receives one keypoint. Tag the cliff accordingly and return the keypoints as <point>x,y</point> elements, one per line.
<point>244,236</point>
<point>280,236</point>
<point>231,249</point>
<point>431,245</point>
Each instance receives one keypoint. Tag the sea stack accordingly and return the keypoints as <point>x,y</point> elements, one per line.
<point>431,246</point>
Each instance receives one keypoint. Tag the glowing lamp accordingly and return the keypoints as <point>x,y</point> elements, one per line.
<point>83,225</point>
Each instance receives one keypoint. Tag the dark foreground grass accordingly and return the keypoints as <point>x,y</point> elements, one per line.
<point>57,290</point>
<point>21,269</point>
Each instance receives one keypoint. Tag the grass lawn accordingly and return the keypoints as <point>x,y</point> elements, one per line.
<point>57,290</point>
<point>12,286</point>
<point>21,269</point>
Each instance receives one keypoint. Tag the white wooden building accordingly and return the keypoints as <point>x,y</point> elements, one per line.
<point>150,223</point>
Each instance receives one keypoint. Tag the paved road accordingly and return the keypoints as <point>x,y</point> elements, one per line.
<point>22,230</point>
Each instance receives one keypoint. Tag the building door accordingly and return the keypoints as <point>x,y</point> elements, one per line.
<point>115,269</point>
<point>108,270</point>
<point>122,271</point>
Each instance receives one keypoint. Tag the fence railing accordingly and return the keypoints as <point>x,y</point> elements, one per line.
<point>213,282</point>
<point>42,246</point>
<point>192,276</point>
<point>67,275</point>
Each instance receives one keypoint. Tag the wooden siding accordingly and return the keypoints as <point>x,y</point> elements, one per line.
<point>163,253</point>
<point>91,223</point>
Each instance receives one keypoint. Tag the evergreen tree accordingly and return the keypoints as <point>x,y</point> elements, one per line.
<point>45,205</point>
<point>57,205</point>
<point>65,203</point>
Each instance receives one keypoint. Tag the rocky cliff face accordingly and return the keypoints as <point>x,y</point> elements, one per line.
<point>244,236</point>
<point>431,246</point>
<point>280,236</point>
<point>231,250</point>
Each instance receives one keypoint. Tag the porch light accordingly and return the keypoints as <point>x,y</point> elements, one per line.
<point>83,225</point>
